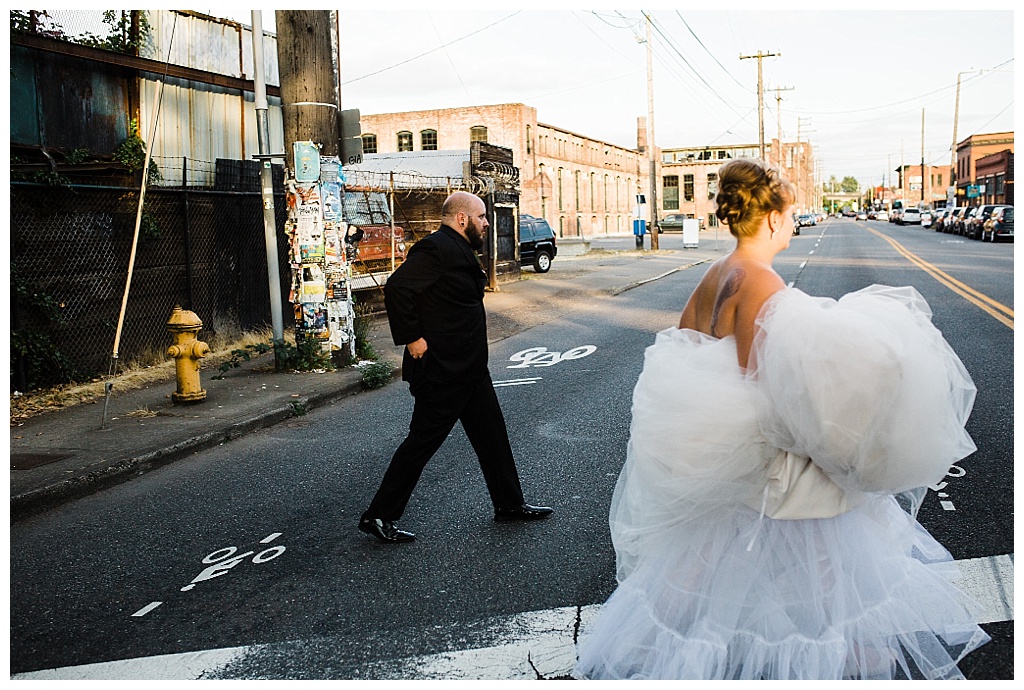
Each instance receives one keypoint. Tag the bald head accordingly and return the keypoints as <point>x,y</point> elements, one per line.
<point>466,214</point>
<point>460,202</point>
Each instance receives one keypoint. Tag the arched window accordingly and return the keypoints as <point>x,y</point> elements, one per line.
<point>428,140</point>
<point>560,206</point>
<point>405,141</point>
<point>478,133</point>
<point>369,143</point>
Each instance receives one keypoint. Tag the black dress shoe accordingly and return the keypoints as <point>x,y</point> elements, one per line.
<point>523,512</point>
<point>385,530</point>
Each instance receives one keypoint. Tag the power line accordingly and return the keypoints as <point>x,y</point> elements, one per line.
<point>701,44</point>
<point>432,50</point>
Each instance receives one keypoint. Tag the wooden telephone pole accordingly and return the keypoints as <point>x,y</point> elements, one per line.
<point>310,101</point>
<point>311,112</point>
<point>652,152</point>
<point>760,95</point>
<point>778,118</point>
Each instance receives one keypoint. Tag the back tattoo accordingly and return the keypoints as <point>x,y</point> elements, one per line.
<point>731,287</point>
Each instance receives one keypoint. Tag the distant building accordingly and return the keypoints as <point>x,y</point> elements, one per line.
<point>930,188</point>
<point>689,176</point>
<point>583,186</point>
<point>968,153</point>
<point>994,178</point>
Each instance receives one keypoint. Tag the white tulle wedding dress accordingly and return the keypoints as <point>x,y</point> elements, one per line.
<point>763,522</point>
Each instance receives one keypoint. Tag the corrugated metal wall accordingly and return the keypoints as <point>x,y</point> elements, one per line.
<point>202,122</point>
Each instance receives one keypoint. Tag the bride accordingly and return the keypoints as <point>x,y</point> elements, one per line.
<point>780,446</point>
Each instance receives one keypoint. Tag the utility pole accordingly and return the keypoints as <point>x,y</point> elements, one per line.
<point>922,157</point>
<point>266,178</point>
<point>778,117</point>
<point>310,107</point>
<point>760,95</point>
<point>798,162</point>
<point>651,149</point>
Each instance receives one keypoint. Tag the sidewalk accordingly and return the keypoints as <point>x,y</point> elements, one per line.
<point>59,456</point>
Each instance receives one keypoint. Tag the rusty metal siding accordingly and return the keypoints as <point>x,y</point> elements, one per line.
<point>66,103</point>
<point>200,121</point>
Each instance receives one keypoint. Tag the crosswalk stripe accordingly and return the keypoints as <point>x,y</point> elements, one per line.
<point>536,644</point>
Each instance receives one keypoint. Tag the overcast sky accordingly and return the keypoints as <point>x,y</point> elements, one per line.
<point>859,79</point>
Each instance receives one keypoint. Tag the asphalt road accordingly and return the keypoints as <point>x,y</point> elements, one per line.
<point>326,601</point>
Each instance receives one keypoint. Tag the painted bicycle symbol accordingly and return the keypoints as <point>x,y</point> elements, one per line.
<point>223,560</point>
<point>542,357</point>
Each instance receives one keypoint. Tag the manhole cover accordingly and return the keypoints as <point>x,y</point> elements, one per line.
<point>26,461</point>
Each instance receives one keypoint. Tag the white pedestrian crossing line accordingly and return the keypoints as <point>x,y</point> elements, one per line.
<point>535,644</point>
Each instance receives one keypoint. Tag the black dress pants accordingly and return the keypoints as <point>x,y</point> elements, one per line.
<point>436,410</point>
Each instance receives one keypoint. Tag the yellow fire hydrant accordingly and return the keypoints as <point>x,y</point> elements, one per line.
<point>187,351</point>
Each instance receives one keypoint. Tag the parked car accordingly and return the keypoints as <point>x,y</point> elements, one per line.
<point>536,243</point>
<point>953,220</point>
<point>999,225</point>
<point>940,218</point>
<point>977,221</point>
<point>894,216</point>
<point>862,215</point>
<point>673,221</point>
<point>806,219</point>
<point>882,215</point>
<point>926,219</point>
<point>910,216</point>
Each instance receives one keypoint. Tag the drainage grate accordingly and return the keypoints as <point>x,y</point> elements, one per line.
<point>26,461</point>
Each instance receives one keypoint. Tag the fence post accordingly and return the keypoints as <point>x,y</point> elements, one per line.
<point>188,233</point>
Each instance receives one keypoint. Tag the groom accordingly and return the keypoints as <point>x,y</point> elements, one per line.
<point>435,308</point>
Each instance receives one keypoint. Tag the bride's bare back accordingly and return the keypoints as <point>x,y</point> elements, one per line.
<point>729,298</point>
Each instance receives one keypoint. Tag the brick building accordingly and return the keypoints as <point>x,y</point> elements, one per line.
<point>930,188</point>
<point>584,187</point>
<point>969,152</point>
<point>993,175</point>
<point>689,176</point>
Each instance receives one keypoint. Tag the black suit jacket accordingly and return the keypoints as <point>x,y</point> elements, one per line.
<point>437,294</point>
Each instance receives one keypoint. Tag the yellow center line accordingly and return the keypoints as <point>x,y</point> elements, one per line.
<point>970,294</point>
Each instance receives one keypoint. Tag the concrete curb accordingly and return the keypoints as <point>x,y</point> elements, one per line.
<point>118,471</point>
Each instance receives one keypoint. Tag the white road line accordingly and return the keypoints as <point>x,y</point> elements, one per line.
<point>518,382</point>
<point>947,505</point>
<point>146,609</point>
<point>272,537</point>
<point>803,264</point>
<point>534,644</point>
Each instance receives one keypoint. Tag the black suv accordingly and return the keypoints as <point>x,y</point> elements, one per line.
<point>536,243</point>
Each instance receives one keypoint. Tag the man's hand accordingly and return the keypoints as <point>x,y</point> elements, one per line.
<point>417,348</point>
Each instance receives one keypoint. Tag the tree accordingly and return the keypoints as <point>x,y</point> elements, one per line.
<point>850,185</point>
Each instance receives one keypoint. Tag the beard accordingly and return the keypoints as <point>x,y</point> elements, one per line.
<point>475,235</point>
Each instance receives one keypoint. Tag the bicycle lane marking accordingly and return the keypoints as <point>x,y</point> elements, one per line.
<point>979,299</point>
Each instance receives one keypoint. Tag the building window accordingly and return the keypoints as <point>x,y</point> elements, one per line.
<point>723,155</point>
<point>561,226</point>
<point>428,140</point>
<point>606,193</point>
<point>670,192</point>
<point>712,220</point>
<point>712,185</point>
<point>405,141</point>
<point>688,187</point>
<point>529,145</point>
<point>369,143</point>
<point>576,179</point>
<point>560,206</point>
<point>1000,184</point>
<point>593,199</point>
<point>478,133</point>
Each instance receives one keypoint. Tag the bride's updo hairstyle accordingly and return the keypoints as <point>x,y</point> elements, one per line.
<point>748,188</point>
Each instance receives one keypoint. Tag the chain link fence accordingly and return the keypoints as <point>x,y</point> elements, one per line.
<point>202,249</point>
